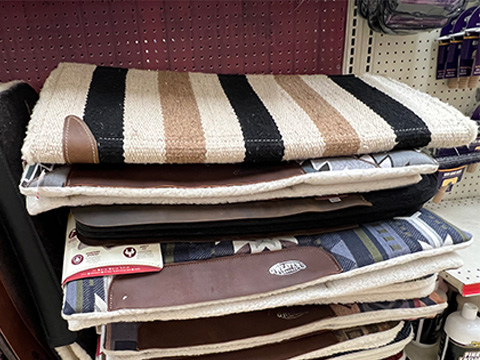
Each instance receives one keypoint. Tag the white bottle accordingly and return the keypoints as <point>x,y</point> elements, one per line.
<point>475,300</point>
<point>461,335</point>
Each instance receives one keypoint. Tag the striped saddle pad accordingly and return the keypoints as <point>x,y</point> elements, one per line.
<point>96,114</point>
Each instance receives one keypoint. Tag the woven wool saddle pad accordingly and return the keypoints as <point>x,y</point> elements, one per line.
<point>247,330</point>
<point>96,114</point>
<point>230,277</point>
<point>81,185</point>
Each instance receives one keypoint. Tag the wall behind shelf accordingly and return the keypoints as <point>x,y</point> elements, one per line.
<point>229,36</point>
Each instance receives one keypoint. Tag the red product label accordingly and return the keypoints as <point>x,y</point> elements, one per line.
<point>112,270</point>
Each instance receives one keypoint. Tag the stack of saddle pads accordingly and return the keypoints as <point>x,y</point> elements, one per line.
<point>288,208</point>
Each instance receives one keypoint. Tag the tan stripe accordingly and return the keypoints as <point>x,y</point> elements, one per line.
<point>144,133</point>
<point>339,136</point>
<point>374,132</point>
<point>301,141</point>
<point>184,135</point>
<point>223,133</point>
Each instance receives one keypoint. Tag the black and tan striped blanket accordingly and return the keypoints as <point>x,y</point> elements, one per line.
<point>96,114</point>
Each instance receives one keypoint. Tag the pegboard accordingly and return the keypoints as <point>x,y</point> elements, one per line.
<point>412,60</point>
<point>296,36</point>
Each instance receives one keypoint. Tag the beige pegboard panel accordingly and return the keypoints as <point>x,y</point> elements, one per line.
<point>412,60</point>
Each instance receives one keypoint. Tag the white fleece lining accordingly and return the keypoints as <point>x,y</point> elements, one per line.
<point>363,342</point>
<point>340,322</point>
<point>406,286</point>
<point>379,353</point>
<point>332,289</point>
<point>72,352</point>
<point>368,296</point>
<point>38,204</point>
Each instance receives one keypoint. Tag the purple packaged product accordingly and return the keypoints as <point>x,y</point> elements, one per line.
<point>442,58</point>
<point>461,150</point>
<point>476,62</point>
<point>462,20</point>
<point>474,20</point>
<point>453,56</point>
<point>449,177</point>
<point>455,45</point>
<point>469,45</point>
<point>442,50</point>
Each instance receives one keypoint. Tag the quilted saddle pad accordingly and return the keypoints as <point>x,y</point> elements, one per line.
<point>226,277</point>
<point>247,330</point>
<point>97,114</point>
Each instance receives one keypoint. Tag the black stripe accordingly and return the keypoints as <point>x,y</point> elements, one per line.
<point>104,112</point>
<point>263,141</point>
<point>409,128</point>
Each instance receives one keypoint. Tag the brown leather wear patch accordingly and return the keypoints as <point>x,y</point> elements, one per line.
<point>281,351</point>
<point>221,278</point>
<point>79,144</point>
<point>178,175</point>
<point>214,330</point>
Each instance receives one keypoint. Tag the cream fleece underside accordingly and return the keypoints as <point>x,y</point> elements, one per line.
<point>72,352</point>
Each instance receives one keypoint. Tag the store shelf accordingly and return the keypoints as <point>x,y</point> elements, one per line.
<point>417,353</point>
<point>464,213</point>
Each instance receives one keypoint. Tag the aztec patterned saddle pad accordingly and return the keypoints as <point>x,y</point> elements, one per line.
<point>383,253</point>
<point>96,114</point>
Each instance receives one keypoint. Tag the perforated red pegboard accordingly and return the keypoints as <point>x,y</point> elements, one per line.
<point>302,36</point>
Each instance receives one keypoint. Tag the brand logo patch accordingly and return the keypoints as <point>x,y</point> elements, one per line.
<point>292,315</point>
<point>77,259</point>
<point>287,267</point>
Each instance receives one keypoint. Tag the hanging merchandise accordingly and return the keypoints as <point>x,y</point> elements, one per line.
<point>409,16</point>
<point>461,336</point>
<point>458,56</point>
<point>454,47</point>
